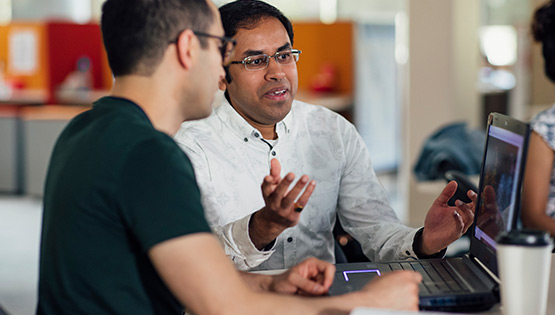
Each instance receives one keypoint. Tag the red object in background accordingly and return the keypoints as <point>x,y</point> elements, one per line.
<point>325,80</point>
<point>67,42</point>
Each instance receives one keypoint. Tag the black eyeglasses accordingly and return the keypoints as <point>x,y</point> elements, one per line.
<point>226,46</point>
<point>259,62</point>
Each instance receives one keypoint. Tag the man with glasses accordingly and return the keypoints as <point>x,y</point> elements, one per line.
<point>260,123</point>
<point>123,227</point>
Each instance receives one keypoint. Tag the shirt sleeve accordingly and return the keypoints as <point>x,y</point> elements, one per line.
<point>158,195</point>
<point>234,236</point>
<point>544,125</point>
<point>238,245</point>
<point>363,206</point>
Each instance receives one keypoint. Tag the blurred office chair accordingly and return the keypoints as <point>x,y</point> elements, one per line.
<point>347,249</point>
<point>340,257</point>
<point>451,147</point>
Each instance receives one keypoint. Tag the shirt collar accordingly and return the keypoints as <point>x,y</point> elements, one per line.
<point>229,116</point>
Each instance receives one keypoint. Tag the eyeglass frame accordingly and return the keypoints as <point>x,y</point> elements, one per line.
<point>224,42</point>
<point>294,52</point>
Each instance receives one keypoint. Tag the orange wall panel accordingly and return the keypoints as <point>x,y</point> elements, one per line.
<point>3,47</point>
<point>325,44</point>
<point>35,78</point>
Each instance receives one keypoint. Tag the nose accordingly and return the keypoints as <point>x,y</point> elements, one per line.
<point>274,71</point>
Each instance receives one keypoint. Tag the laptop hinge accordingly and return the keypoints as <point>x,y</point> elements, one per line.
<point>491,274</point>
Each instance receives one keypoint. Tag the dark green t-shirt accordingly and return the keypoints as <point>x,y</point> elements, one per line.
<point>115,188</point>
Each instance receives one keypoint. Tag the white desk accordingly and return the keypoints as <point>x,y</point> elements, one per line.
<point>496,310</point>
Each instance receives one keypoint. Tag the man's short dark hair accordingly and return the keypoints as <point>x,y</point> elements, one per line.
<point>543,30</point>
<point>136,33</point>
<point>247,14</point>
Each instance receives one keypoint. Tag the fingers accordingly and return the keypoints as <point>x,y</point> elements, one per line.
<point>303,199</point>
<point>459,220</point>
<point>415,276</point>
<point>472,195</point>
<point>293,193</point>
<point>465,211</point>
<point>277,196</point>
<point>325,271</point>
<point>268,186</point>
<point>273,191</point>
<point>319,274</point>
<point>395,290</point>
<point>275,168</point>
<point>306,286</point>
<point>447,192</point>
<point>282,187</point>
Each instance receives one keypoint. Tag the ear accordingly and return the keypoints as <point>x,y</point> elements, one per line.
<point>222,85</point>
<point>187,48</point>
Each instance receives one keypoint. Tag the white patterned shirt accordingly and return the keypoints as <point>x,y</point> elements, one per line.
<point>544,125</point>
<point>231,159</point>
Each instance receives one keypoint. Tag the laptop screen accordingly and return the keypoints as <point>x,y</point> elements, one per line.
<point>500,182</point>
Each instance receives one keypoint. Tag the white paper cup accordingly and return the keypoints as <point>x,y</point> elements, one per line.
<point>524,262</point>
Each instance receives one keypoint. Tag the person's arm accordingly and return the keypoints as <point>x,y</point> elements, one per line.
<point>217,288</point>
<point>310,277</point>
<point>535,191</point>
<point>365,213</point>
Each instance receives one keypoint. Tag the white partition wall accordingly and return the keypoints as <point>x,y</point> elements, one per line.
<point>79,11</point>
<point>440,85</point>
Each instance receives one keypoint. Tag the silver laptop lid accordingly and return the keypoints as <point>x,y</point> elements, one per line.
<point>498,203</point>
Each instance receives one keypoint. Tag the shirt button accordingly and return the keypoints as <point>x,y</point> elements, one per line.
<point>274,153</point>
<point>289,239</point>
<point>256,134</point>
<point>246,140</point>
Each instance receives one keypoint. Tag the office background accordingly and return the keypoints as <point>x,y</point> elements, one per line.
<point>398,69</point>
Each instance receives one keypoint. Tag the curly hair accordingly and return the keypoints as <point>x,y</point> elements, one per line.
<point>543,30</point>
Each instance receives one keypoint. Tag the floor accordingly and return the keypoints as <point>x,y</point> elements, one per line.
<point>20,220</point>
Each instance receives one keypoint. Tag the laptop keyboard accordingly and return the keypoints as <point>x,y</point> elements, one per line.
<point>435,277</point>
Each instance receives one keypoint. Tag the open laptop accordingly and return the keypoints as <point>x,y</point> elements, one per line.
<point>468,283</point>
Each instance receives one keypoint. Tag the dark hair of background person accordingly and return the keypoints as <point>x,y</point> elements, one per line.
<point>247,14</point>
<point>136,33</point>
<point>543,30</point>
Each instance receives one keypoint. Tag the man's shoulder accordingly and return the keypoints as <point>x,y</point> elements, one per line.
<point>197,134</point>
<point>190,129</point>
<point>317,113</point>
<point>314,109</point>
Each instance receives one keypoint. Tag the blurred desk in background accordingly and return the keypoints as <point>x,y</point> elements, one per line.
<point>339,103</point>
<point>24,97</point>
<point>79,97</point>
<point>40,127</point>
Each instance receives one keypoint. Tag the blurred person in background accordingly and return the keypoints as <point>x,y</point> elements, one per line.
<point>538,196</point>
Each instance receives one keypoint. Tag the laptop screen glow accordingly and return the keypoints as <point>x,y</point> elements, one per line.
<point>497,207</point>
